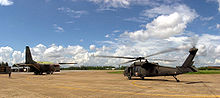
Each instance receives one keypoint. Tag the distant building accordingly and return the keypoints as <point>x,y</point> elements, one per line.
<point>214,67</point>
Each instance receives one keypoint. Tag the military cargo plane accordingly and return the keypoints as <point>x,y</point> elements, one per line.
<point>40,67</point>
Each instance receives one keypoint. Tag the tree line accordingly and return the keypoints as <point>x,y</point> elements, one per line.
<point>4,64</point>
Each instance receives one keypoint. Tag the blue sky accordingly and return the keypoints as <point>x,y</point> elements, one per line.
<point>105,26</point>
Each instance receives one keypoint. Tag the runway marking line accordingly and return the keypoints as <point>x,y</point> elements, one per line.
<point>134,93</point>
<point>134,83</point>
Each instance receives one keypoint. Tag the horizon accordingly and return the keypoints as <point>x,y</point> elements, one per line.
<point>75,30</point>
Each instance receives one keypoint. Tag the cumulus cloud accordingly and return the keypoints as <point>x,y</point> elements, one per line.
<point>92,47</point>
<point>208,45</point>
<point>17,56</point>
<point>5,53</point>
<point>6,2</point>
<point>169,21</point>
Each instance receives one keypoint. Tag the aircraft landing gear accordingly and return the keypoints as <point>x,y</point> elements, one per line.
<point>176,78</point>
<point>130,74</point>
<point>36,73</point>
<point>129,77</point>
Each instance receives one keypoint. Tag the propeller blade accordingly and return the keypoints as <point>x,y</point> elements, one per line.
<point>67,63</point>
<point>165,51</point>
<point>115,57</point>
<point>128,62</point>
<point>163,60</point>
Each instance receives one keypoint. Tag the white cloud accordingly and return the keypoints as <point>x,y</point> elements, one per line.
<point>5,54</point>
<point>208,45</point>
<point>106,35</point>
<point>172,20</point>
<point>217,61</point>
<point>116,31</point>
<point>17,56</point>
<point>134,19</point>
<point>92,47</point>
<point>58,28</point>
<point>111,4</point>
<point>207,18</point>
<point>72,13</point>
<point>217,26</point>
<point>6,2</point>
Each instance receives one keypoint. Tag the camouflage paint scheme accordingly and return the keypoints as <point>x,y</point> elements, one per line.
<point>147,69</point>
<point>39,67</point>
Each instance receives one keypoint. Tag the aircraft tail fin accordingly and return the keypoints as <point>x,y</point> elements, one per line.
<point>189,60</point>
<point>28,56</point>
<point>188,63</point>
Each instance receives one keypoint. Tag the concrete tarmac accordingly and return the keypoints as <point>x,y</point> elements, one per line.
<point>100,84</point>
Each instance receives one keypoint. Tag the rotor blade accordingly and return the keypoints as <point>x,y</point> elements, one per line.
<point>165,51</point>
<point>128,62</point>
<point>163,60</point>
<point>67,63</point>
<point>115,57</point>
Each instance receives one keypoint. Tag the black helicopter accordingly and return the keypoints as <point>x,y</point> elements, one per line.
<point>148,69</point>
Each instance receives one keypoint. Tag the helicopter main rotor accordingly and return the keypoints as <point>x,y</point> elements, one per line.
<point>142,58</point>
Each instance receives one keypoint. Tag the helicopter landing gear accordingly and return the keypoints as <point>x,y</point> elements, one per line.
<point>176,78</point>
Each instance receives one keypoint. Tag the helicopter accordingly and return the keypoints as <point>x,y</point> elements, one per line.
<point>39,67</point>
<point>150,69</point>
